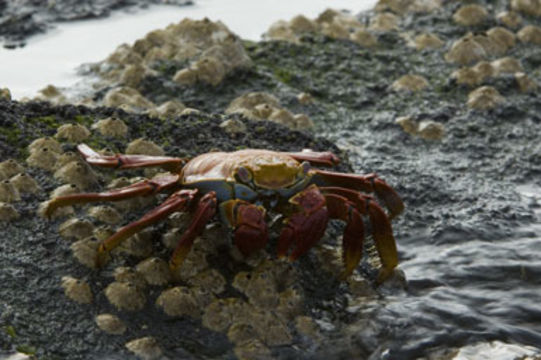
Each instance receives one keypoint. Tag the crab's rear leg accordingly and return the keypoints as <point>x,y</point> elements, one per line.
<point>204,211</point>
<point>178,201</point>
<point>325,158</point>
<point>306,225</point>
<point>122,161</point>
<point>369,183</point>
<point>250,232</point>
<point>142,188</point>
<point>382,231</point>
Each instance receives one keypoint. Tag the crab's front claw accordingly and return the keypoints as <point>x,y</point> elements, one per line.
<point>306,225</point>
<point>248,221</point>
<point>392,201</point>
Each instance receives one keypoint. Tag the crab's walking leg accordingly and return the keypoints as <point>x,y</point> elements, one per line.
<point>370,183</point>
<point>381,226</point>
<point>205,210</point>
<point>352,240</point>
<point>306,225</point>
<point>121,161</point>
<point>146,187</point>
<point>248,221</point>
<point>325,158</point>
<point>178,201</point>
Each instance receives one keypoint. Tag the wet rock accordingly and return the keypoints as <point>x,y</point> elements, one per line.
<point>484,98</point>
<point>75,133</point>
<point>111,324</point>
<point>470,15</point>
<point>111,126</point>
<point>125,296</point>
<point>146,348</point>
<point>77,290</point>
<point>8,212</point>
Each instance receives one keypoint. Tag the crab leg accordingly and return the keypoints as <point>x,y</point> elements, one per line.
<point>248,222</point>
<point>381,225</point>
<point>306,225</point>
<point>178,201</point>
<point>121,161</point>
<point>146,187</point>
<point>370,183</point>
<point>325,158</point>
<point>205,210</point>
<point>352,240</point>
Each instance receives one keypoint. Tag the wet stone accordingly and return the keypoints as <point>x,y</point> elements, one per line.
<point>77,290</point>
<point>110,324</point>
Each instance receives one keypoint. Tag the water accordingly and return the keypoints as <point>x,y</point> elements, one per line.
<point>53,58</point>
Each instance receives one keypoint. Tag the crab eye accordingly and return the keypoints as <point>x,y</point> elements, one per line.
<point>243,174</point>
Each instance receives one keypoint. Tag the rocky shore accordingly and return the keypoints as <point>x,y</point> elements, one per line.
<point>441,99</point>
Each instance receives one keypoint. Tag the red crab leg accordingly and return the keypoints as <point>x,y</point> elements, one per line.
<point>305,226</point>
<point>325,158</point>
<point>121,161</point>
<point>381,226</point>
<point>143,188</point>
<point>205,210</point>
<point>369,183</point>
<point>248,221</point>
<point>352,240</point>
<point>178,201</point>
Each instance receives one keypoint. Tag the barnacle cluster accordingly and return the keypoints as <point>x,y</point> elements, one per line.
<point>14,182</point>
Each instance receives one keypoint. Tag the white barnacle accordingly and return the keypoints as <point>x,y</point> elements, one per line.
<point>77,290</point>
<point>125,296</point>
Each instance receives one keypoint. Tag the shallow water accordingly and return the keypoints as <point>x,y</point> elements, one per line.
<point>53,58</point>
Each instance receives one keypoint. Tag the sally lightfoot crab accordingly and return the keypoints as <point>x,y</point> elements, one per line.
<point>242,186</point>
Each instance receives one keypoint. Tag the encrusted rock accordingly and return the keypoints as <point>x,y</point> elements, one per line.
<point>125,296</point>
<point>290,304</point>
<point>179,301</point>
<point>530,34</point>
<point>85,251</point>
<point>485,97</point>
<point>465,51</point>
<point>144,147</point>
<point>306,326</point>
<point>410,82</point>
<point>221,313</point>
<point>111,324</point>
<point>507,65</point>
<point>527,7</point>
<point>428,41</point>
<point>510,19</point>
<point>8,212</point>
<point>470,15</point>
<point>155,271</point>
<point>25,183</point>
<point>77,290</point>
<point>384,22</point>
<point>111,126</point>
<point>77,173</point>
<point>75,133</point>
<point>431,130</point>
<point>408,124</point>
<point>76,229</point>
<point>128,97</point>
<point>44,159</point>
<point>10,168</point>
<point>233,127</point>
<point>8,192</point>
<point>105,214</point>
<point>525,83</point>
<point>146,348</point>
<point>45,143</point>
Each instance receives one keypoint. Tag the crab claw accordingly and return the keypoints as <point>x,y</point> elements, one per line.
<point>248,221</point>
<point>306,226</point>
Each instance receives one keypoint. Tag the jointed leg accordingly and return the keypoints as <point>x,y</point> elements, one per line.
<point>325,158</point>
<point>146,187</point>
<point>248,221</point>
<point>205,210</point>
<point>179,200</point>
<point>121,161</point>
<point>370,183</point>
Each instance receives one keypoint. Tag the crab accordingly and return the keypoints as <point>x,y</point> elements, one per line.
<point>244,187</point>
